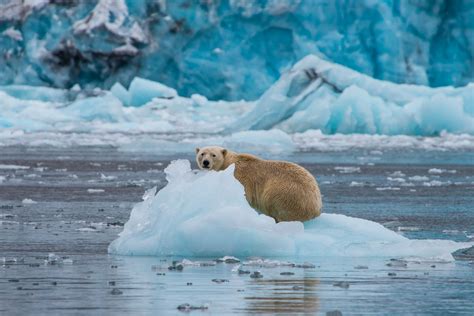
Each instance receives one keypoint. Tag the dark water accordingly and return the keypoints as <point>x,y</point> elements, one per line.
<point>83,196</point>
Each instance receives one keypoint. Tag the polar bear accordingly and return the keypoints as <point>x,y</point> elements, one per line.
<point>279,189</point>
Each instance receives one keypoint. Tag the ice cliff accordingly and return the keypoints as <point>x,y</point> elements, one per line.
<point>231,49</point>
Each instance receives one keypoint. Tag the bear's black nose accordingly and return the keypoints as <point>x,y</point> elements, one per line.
<point>205,163</point>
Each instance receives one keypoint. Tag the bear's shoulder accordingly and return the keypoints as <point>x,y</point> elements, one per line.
<point>246,157</point>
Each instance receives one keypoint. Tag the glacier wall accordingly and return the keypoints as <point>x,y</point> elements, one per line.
<point>231,49</point>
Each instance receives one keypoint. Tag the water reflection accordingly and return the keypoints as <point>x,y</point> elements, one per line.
<point>283,296</point>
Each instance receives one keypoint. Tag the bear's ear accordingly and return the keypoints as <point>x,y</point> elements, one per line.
<point>197,149</point>
<point>224,152</point>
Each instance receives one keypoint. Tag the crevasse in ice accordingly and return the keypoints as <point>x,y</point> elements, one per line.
<point>314,95</point>
<point>231,49</point>
<point>205,214</point>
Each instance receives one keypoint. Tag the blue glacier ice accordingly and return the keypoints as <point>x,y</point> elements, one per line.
<point>317,94</point>
<point>231,49</point>
<point>189,218</point>
<point>313,95</point>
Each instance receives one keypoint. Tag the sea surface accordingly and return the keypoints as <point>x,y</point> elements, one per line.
<point>61,207</point>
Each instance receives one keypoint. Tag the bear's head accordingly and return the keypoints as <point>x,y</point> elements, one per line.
<point>211,157</point>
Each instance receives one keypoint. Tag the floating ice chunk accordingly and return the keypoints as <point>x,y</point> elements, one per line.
<point>436,183</point>
<point>356,184</point>
<point>87,229</point>
<point>440,171</point>
<point>28,201</point>
<point>400,180</point>
<point>387,189</point>
<point>142,91</point>
<point>53,259</point>
<point>347,169</point>
<point>228,259</point>
<point>317,94</point>
<point>105,107</point>
<point>419,178</point>
<point>13,167</point>
<point>107,178</point>
<point>95,190</point>
<point>2,179</point>
<point>44,94</point>
<point>205,214</point>
<point>397,174</point>
<point>68,261</point>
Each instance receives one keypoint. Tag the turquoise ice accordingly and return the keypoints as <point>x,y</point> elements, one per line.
<point>232,49</point>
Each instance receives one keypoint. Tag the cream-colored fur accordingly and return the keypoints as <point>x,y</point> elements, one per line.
<point>280,189</point>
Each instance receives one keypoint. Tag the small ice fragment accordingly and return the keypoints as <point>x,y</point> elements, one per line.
<point>107,178</point>
<point>408,229</point>
<point>28,201</point>
<point>86,229</point>
<point>228,259</point>
<point>419,178</point>
<point>401,180</point>
<point>397,174</point>
<point>13,167</point>
<point>436,183</point>
<point>95,190</point>
<point>68,261</point>
<point>29,176</point>
<point>387,189</point>
<point>347,169</point>
<point>53,259</point>
<point>356,184</point>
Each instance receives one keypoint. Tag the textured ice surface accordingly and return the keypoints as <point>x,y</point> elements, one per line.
<point>231,49</point>
<point>205,214</point>
<point>313,95</point>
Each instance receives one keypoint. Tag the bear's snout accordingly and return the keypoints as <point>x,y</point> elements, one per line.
<point>205,163</point>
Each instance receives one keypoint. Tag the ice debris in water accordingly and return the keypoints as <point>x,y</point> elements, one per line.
<point>205,214</point>
<point>314,95</point>
<point>440,171</point>
<point>28,201</point>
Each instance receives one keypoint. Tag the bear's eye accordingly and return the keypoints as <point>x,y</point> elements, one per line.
<point>202,154</point>
<point>213,155</point>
